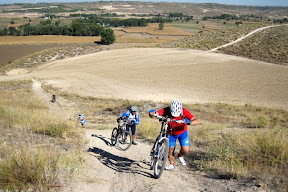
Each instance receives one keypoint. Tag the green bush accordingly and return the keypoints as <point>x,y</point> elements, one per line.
<point>108,37</point>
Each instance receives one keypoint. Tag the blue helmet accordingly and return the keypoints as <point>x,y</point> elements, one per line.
<point>134,108</point>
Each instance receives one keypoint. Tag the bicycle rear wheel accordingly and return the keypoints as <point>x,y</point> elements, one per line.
<point>114,136</point>
<point>161,158</point>
<point>124,140</point>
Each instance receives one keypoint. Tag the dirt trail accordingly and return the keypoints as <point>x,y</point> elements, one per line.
<point>244,37</point>
<point>61,108</point>
<point>110,170</point>
<point>107,169</point>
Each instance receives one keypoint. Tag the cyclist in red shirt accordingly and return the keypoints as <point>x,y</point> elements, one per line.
<point>177,131</point>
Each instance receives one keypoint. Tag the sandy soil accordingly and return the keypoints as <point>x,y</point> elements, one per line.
<point>164,74</point>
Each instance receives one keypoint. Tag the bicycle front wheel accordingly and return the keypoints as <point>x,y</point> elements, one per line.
<point>114,136</point>
<point>124,140</point>
<point>161,158</point>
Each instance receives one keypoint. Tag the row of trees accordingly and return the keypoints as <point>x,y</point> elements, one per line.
<point>285,20</point>
<point>222,16</point>
<point>78,28</point>
<point>132,22</point>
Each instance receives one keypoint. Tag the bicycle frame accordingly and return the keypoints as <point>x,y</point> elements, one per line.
<point>157,153</point>
<point>165,121</point>
<point>123,126</point>
<point>162,135</point>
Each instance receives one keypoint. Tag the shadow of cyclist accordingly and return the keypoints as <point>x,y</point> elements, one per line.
<point>119,164</point>
<point>105,139</point>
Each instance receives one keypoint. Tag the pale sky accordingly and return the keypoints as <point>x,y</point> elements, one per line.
<point>231,2</point>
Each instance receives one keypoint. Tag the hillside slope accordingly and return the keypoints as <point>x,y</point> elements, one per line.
<point>270,45</point>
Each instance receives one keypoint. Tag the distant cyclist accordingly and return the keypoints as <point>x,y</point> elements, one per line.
<point>82,120</point>
<point>133,119</point>
<point>177,131</point>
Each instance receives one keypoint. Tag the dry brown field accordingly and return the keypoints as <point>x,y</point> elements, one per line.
<point>45,39</point>
<point>162,74</point>
<point>153,29</point>
<point>15,47</point>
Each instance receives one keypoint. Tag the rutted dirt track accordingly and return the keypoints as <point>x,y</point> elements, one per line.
<point>164,74</point>
<point>110,170</point>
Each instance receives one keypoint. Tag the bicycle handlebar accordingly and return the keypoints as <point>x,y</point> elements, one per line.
<point>167,119</point>
<point>124,119</point>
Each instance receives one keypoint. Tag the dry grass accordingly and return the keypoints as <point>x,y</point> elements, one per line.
<point>32,157</point>
<point>235,142</point>
<point>260,154</point>
<point>29,169</point>
<point>269,45</point>
<point>212,38</point>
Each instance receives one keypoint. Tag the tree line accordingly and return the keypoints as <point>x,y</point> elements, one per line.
<point>117,22</point>
<point>78,27</point>
<point>90,25</point>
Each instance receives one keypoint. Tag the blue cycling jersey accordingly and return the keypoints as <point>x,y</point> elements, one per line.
<point>132,119</point>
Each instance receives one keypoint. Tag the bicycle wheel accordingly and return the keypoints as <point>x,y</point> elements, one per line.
<point>153,153</point>
<point>161,158</point>
<point>124,140</point>
<point>152,156</point>
<point>114,136</point>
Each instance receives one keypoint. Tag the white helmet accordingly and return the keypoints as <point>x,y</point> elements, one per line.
<point>134,109</point>
<point>176,108</point>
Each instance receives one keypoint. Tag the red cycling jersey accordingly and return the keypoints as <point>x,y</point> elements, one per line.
<point>175,128</point>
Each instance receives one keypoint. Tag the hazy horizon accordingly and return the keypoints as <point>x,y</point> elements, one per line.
<point>283,3</point>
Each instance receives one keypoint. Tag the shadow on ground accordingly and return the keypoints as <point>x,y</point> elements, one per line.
<point>118,163</point>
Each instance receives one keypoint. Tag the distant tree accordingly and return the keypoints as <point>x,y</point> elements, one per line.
<point>108,37</point>
<point>205,18</point>
<point>3,32</point>
<point>57,23</point>
<point>197,22</point>
<point>12,22</point>
<point>47,22</point>
<point>161,26</point>
<point>12,31</point>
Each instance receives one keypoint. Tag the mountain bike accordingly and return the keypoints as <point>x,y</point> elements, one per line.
<point>160,149</point>
<point>121,138</point>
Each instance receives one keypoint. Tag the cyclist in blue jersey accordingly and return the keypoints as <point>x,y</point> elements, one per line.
<point>133,119</point>
<point>82,119</point>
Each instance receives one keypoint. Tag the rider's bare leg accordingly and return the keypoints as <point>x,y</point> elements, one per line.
<point>133,138</point>
<point>171,155</point>
<point>184,150</point>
